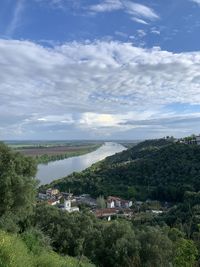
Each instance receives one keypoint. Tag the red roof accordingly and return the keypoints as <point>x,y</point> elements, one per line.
<point>110,198</point>
<point>51,201</point>
<point>106,212</point>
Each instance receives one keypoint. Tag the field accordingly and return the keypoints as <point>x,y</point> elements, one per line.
<point>55,150</point>
<point>44,151</point>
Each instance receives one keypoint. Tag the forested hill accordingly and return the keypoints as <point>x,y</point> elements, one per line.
<point>34,234</point>
<point>156,169</point>
<point>138,151</point>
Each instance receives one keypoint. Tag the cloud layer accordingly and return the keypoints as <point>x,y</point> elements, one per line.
<point>95,89</point>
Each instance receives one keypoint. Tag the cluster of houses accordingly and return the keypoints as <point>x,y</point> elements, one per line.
<point>68,202</point>
<point>115,206</point>
<point>191,140</point>
<point>63,200</point>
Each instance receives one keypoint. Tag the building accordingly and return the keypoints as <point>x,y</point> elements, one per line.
<point>113,202</point>
<point>126,204</point>
<point>86,200</point>
<point>52,192</point>
<point>53,202</point>
<point>116,202</point>
<point>198,139</point>
<point>42,196</point>
<point>110,204</point>
<point>68,205</point>
<point>106,213</point>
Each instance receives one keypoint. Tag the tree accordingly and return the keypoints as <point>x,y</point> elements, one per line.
<point>120,245</point>
<point>18,187</point>
<point>185,253</point>
<point>101,202</point>
<point>156,247</point>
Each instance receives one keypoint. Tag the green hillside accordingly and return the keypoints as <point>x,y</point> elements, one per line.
<point>38,235</point>
<point>156,169</point>
<point>22,243</point>
<point>16,252</point>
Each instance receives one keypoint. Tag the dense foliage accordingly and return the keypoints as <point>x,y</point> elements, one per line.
<point>115,244</point>
<point>157,169</point>
<point>38,235</point>
<point>17,188</point>
<point>16,251</point>
<point>30,248</point>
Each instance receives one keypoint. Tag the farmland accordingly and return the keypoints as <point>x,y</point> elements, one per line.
<point>44,151</point>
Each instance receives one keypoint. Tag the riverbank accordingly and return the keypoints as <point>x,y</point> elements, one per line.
<point>61,168</point>
<point>48,153</point>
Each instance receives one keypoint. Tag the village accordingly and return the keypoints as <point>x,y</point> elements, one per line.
<point>108,208</point>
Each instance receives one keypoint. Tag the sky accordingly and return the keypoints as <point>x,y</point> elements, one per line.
<point>99,69</point>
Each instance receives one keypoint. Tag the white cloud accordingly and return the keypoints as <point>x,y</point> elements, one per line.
<point>16,17</point>
<point>141,21</point>
<point>141,33</point>
<point>155,31</point>
<point>138,12</point>
<point>106,6</point>
<point>102,85</point>
<point>121,34</point>
<point>196,1</point>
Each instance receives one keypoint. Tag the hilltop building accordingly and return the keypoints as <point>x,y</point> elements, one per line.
<point>198,140</point>
<point>191,140</point>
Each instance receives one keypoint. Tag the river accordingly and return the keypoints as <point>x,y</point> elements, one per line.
<point>57,169</point>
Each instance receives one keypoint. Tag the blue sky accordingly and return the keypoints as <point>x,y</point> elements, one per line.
<point>99,69</point>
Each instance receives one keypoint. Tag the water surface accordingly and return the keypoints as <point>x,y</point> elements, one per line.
<point>61,168</point>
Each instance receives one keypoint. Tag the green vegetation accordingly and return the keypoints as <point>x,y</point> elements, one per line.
<point>16,251</point>
<point>45,158</point>
<point>117,243</point>
<point>38,235</point>
<point>26,246</point>
<point>157,169</point>
<point>44,152</point>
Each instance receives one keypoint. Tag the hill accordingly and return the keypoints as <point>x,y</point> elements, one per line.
<point>39,235</point>
<point>156,169</point>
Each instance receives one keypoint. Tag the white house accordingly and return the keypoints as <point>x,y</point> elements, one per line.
<point>110,204</point>
<point>53,202</point>
<point>198,139</point>
<point>113,202</point>
<point>116,202</point>
<point>126,203</point>
<point>68,205</point>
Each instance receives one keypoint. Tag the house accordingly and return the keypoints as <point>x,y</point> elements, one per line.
<point>42,196</point>
<point>126,204</point>
<point>53,202</point>
<point>52,192</point>
<point>157,211</point>
<point>116,202</point>
<point>110,204</point>
<point>198,139</point>
<point>87,200</point>
<point>106,213</point>
<point>68,205</point>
